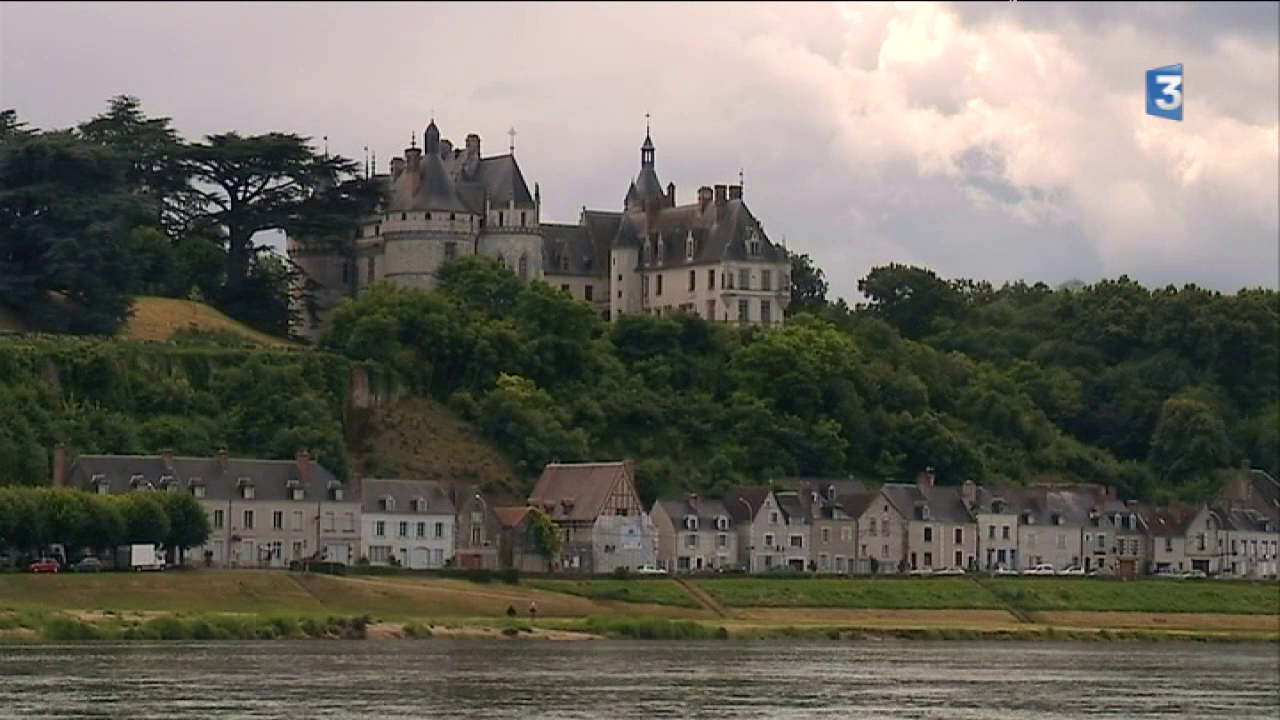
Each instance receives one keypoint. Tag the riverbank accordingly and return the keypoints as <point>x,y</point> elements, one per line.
<point>250,604</point>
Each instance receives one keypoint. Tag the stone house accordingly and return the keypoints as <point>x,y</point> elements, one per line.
<point>996,512</point>
<point>596,506</point>
<point>1251,540</point>
<point>1166,537</point>
<point>476,540</point>
<point>263,513</point>
<point>517,549</point>
<point>761,526</point>
<point>1051,526</point>
<point>694,535</point>
<point>795,543</point>
<point>833,532</point>
<point>1206,540</point>
<point>882,528</point>
<point>942,533</point>
<point>410,521</point>
<point>1129,550</point>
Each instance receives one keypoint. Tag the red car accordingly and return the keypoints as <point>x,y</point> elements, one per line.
<point>44,566</point>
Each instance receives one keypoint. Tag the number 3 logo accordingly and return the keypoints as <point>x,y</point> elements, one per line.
<point>1171,87</point>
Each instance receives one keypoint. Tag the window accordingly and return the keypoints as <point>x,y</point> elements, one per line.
<point>959,535</point>
<point>744,310</point>
<point>248,519</point>
<point>380,528</point>
<point>693,280</point>
<point>404,528</point>
<point>691,523</point>
<point>773,518</point>
<point>246,492</point>
<point>388,504</point>
<point>768,540</point>
<point>711,310</point>
<point>296,493</point>
<point>404,216</point>
<point>450,250</point>
<point>369,279</point>
<point>928,534</point>
<point>1031,539</point>
<point>196,491</point>
<point>588,293</point>
<point>1062,541</point>
<point>959,559</point>
<point>475,535</point>
<point>421,529</point>
<point>565,288</point>
<point>335,494</point>
<point>765,314</point>
<point>348,522</point>
<point>298,546</point>
<point>797,541</point>
<point>691,540</point>
<point>277,520</point>
<point>453,216</point>
<point>439,529</point>
<point>500,218</point>
<point>379,553</point>
<point>722,540</point>
<point>218,519</point>
<point>991,532</point>
<point>1004,532</point>
<point>826,534</point>
<point>297,520</point>
<point>754,247</point>
<point>885,527</point>
<point>522,217</point>
<point>524,267</point>
<point>928,559</point>
<point>711,279</point>
<point>744,279</point>
<point>722,523</point>
<point>766,280</point>
<point>871,526</point>
<point>437,557</point>
<point>1102,542</point>
<point>659,291</point>
<point>884,551</point>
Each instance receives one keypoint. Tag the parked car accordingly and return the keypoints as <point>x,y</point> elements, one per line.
<point>44,565</point>
<point>1194,575</point>
<point>1041,569</point>
<point>1002,570</point>
<point>88,564</point>
<point>950,571</point>
<point>650,570</point>
<point>1072,570</point>
<point>922,571</point>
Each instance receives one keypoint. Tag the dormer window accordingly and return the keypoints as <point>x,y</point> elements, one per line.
<point>997,506</point>
<point>387,504</point>
<point>722,523</point>
<point>753,247</point>
<point>813,497</point>
<point>831,493</point>
<point>246,488</point>
<point>137,482</point>
<point>99,481</point>
<point>662,247</point>
<point>419,505</point>
<point>297,493</point>
<point>335,492</point>
<point>197,491</point>
<point>1029,519</point>
<point>690,246</point>
<point>691,523</point>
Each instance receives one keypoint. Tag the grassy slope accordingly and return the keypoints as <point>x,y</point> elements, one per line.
<point>157,318</point>
<point>9,321</point>
<point>891,593</point>
<point>420,438</point>
<point>1140,596</point>
<point>658,591</point>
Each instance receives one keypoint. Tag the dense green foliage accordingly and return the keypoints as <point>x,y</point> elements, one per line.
<point>122,206</point>
<point>31,518</point>
<point>1153,392</point>
<point>118,397</point>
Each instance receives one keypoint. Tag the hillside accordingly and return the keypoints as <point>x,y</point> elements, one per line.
<point>422,439</point>
<point>9,322</point>
<point>156,319</point>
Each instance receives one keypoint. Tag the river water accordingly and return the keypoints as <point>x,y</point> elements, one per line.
<point>537,679</point>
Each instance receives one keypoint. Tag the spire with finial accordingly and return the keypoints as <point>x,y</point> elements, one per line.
<point>512,134</point>
<point>742,183</point>
<point>413,141</point>
<point>366,162</point>
<point>326,146</point>
<point>646,150</point>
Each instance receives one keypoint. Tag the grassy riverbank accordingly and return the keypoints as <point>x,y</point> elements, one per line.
<point>248,604</point>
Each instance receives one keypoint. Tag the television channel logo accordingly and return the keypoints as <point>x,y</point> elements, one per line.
<point>1164,92</point>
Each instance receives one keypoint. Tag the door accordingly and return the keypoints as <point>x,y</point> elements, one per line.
<point>420,558</point>
<point>1128,568</point>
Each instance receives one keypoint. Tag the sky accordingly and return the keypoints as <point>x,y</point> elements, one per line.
<point>996,141</point>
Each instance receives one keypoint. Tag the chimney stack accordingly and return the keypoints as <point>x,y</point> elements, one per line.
<point>721,190</point>
<point>926,478</point>
<point>166,455</point>
<point>735,192</point>
<point>446,148</point>
<point>473,145</point>
<point>59,465</point>
<point>1111,492</point>
<point>1042,496</point>
<point>303,460</point>
<point>704,198</point>
<point>397,167</point>
<point>970,493</point>
<point>222,459</point>
<point>413,159</point>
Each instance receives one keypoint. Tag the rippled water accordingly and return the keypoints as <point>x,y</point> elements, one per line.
<point>544,679</point>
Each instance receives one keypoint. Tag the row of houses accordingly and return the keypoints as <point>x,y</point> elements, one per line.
<point>270,512</point>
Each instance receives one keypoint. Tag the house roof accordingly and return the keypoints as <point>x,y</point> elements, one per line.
<point>946,504</point>
<point>271,479</point>
<point>1166,521</point>
<point>403,493</point>
<point>791,506</point>
<point>577,492</point>
<point>707,510</point>
<point>738,500</point>
<point>511,517</point>
<point>855,504</point>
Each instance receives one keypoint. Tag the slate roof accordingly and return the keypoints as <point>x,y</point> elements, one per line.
<point>791,506</point>
<point>271,479</point>
<point>737,500</point>
<point>718,234</point>
<point>1166,521</point>
<point>444,182</point>
<point>855,504</point>
<point>511,517</point>
<point>584,486</point>
<point>404,493</point>
<point>705,509</point>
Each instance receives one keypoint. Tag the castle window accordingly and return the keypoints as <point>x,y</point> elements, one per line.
<point>744,310</point>
<point>404,216</point>
<point>452,217</point>
<point>522,220</point>
<point>369,281</point>
<point>766,281</point>
<point>754,247</point>
<point>499,218</point>
<point>744,279</point>
<point>693,280</point>
<point>346,273</point>
<point>764,312</point>
<point>711,279</point>
<point>659,286</point>
<point>450,250</point>
<point>524,267</point>
<point>426,216</point>
<point>588,292</point>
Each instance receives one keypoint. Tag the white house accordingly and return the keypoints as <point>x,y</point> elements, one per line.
<point>411,521</point>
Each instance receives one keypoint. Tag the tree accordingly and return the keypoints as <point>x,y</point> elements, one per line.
<point>909,298</point>
<point>150,148</point>
<point>145,519</point>
<point>1190,441</point>
<point>65,217</point>
<point>243,185</point>
<point>808,286</point>
<point>188,523</point>
<point>545,534</point>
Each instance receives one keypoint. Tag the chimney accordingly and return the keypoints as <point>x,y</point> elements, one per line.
<point>446,148</point>
<point>59,465</point>
<point>473,145</point>
<point>926,478</point>
<point>970,493</point>
<point>704,198</point>
<point>167,456</point>
<point>720,194</point>
<point>692,500</point>
<point>735,192</point>
<point>397,167</point>
<point>222,459</point>
<point>413,159</point>
<point>1042,496</point>
<point>303,460</point>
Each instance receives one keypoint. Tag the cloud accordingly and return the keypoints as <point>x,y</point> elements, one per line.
<point>992,140</point>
